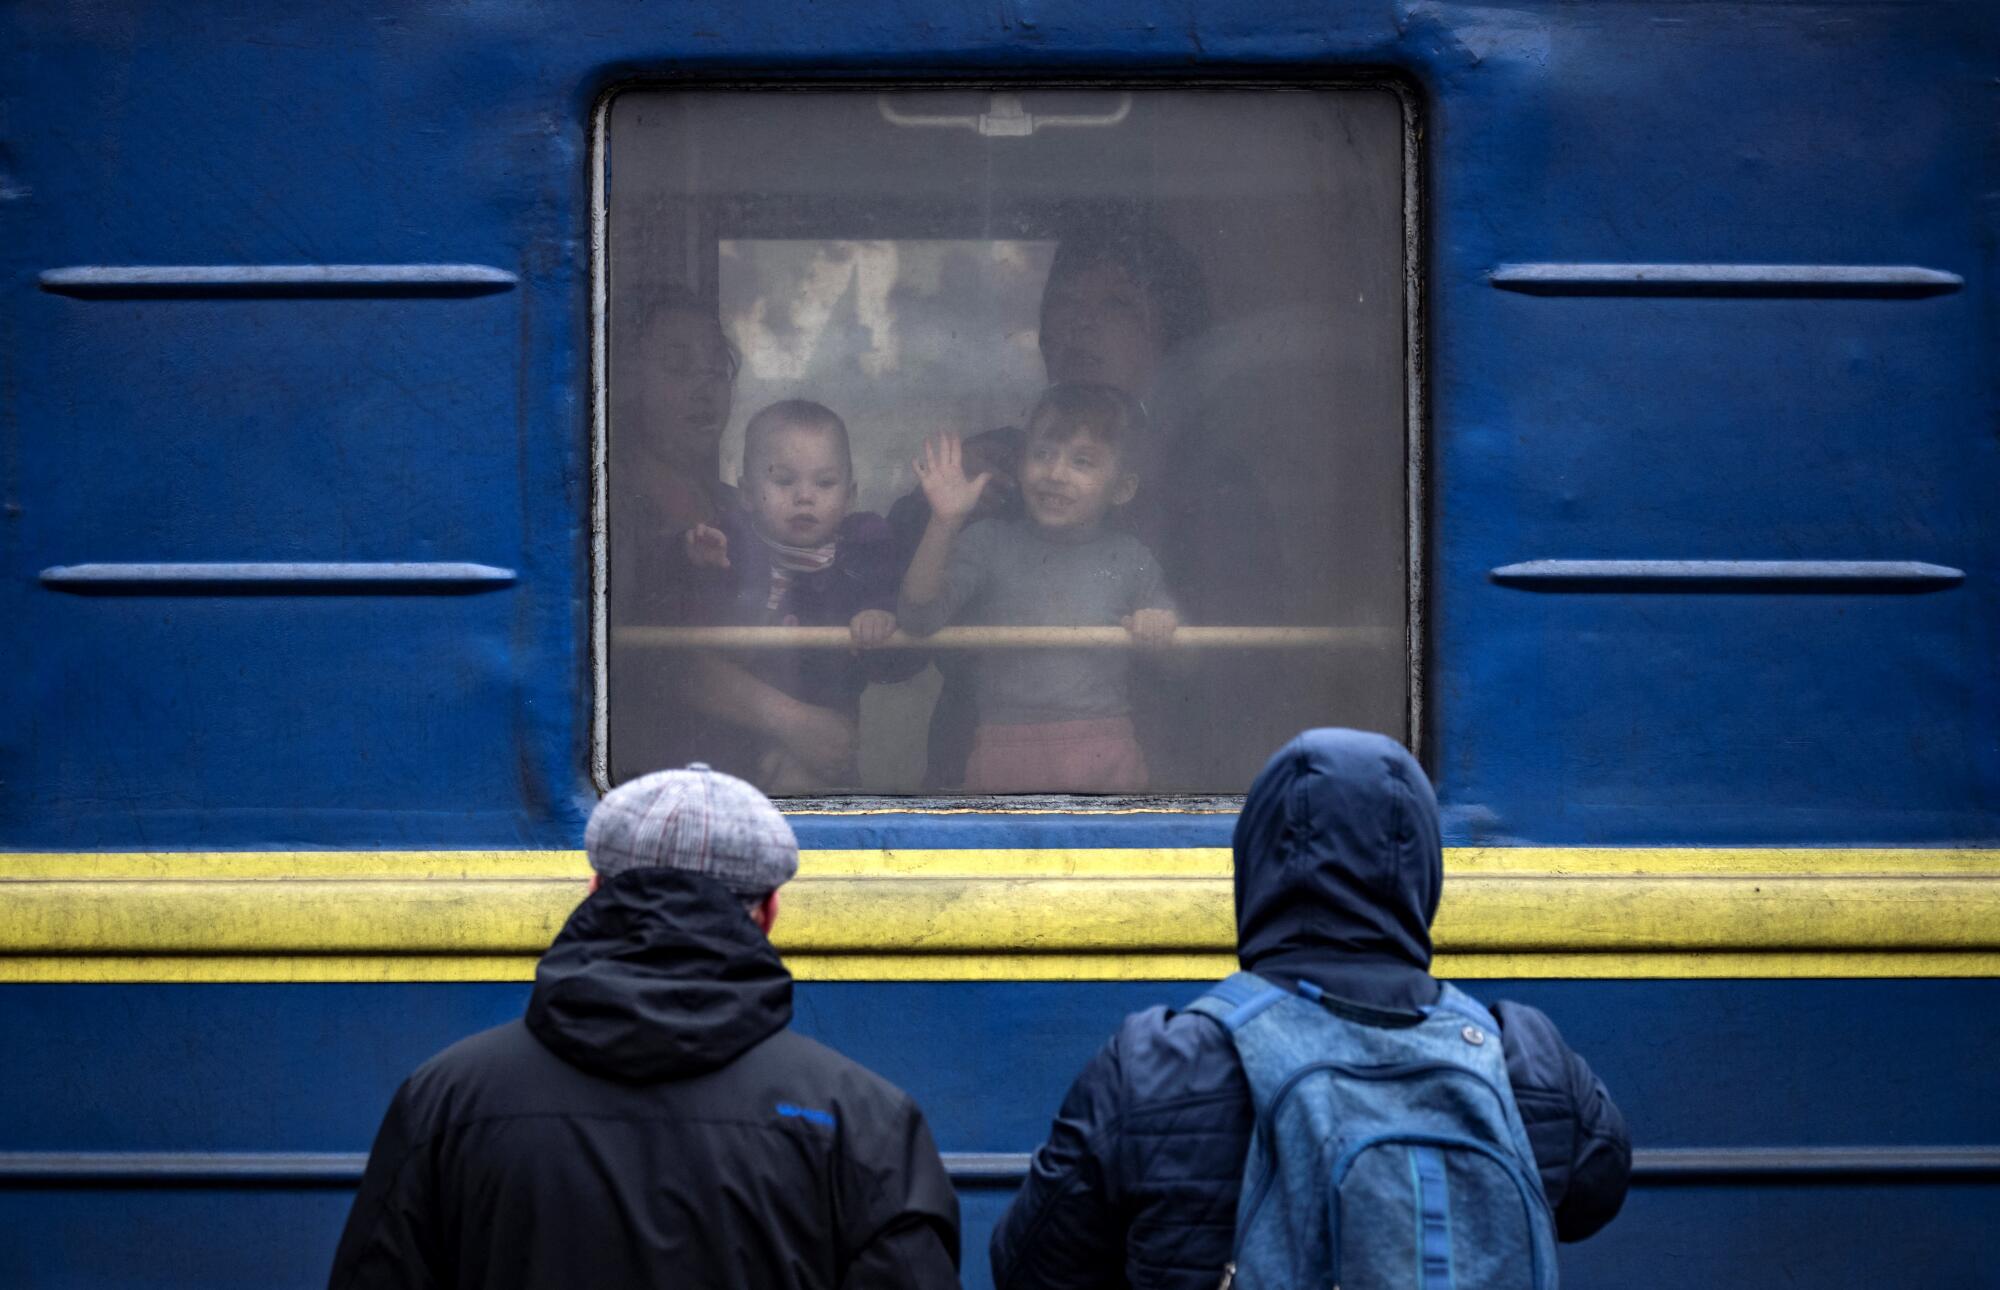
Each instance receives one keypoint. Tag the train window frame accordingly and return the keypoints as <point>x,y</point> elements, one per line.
<point>1416,493</point>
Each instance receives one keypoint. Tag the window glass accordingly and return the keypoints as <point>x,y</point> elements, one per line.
<point>1003,441</point>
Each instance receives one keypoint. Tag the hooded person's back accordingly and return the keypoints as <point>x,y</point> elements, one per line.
<point>652,1121</point>
<point>1339,869</point>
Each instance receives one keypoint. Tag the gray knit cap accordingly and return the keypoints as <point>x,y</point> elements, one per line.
<point>699,820</point>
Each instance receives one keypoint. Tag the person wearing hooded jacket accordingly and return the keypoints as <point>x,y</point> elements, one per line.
<point>653,1121</point>
<point>1338,873</point>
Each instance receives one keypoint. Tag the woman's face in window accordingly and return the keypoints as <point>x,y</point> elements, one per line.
<point>1098,328</point>
<point>693,384</point>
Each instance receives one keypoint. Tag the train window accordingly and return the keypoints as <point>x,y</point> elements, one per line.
<point>1005,440</point>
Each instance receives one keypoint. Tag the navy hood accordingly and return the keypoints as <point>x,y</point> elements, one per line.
<point>1338,869</point>
<point>658,975</point>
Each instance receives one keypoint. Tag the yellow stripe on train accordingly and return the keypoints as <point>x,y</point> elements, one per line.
<point>952,915</point>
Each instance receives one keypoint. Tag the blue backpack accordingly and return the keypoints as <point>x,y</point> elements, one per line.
<point>1384,1157</point>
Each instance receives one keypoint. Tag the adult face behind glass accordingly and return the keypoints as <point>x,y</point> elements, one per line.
<point>1099,327</point>
<point>691,372</point>
<point>668,413</point>
<point>1119,297</point>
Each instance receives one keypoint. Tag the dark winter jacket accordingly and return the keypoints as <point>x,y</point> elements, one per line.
<point>652,1123</point>
<point>866,573</point>
<point>1338,872</point>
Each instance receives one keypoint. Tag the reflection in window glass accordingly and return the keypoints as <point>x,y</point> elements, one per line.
<point>905,338</point>
<point>1003,442</point>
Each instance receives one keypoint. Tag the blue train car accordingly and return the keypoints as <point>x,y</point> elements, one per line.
<point>1676,562</point>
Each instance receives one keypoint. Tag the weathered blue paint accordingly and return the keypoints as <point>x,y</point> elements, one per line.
<point>1696,1065</point>
<point>1707,1064</point>
<point>254,1239</point>
<point>371,420</point>
<point>420,428</point>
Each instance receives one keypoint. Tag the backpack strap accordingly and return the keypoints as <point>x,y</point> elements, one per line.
<point>1236,999</point>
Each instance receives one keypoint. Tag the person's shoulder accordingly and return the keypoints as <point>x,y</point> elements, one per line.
<point>846,1085</point>
<point>864,530</point>
<point>1129,544</point>
<point>1548,1076</point>
<point>873,1120</point>
<point>910,508</point>
<point>864,544</point>
<point>1163,1055</point>
<point>508,1041</point>
<point>462,1075</point>
<point>993,533</point>
<point>734,522</point>
<point>1538,1057</point>
<point>1126,549</point>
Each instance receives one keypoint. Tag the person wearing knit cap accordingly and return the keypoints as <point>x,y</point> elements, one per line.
<point>653,1119</point>
<point>694,821</point>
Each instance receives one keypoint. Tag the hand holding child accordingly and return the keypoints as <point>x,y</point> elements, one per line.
<point>941,471</point>
<point>871,627</point>
<point>823,741</point>
<point>779,772</point>
<point>706,547</point>
<point>1152,628</point>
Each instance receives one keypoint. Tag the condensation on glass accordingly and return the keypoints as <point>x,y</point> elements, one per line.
<point>1167,326</point>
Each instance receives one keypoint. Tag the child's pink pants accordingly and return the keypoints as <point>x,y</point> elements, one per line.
<point>1095,756</point>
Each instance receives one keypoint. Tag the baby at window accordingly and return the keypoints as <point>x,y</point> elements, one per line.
<point>794,553</point>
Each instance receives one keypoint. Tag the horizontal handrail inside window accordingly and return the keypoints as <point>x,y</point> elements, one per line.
<point>963,638</point>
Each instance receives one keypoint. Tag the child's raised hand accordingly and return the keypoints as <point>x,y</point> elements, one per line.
<point>1152,628</point>
<point>871,627</point>
<point>707,548</point>
<point>941,470</point>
